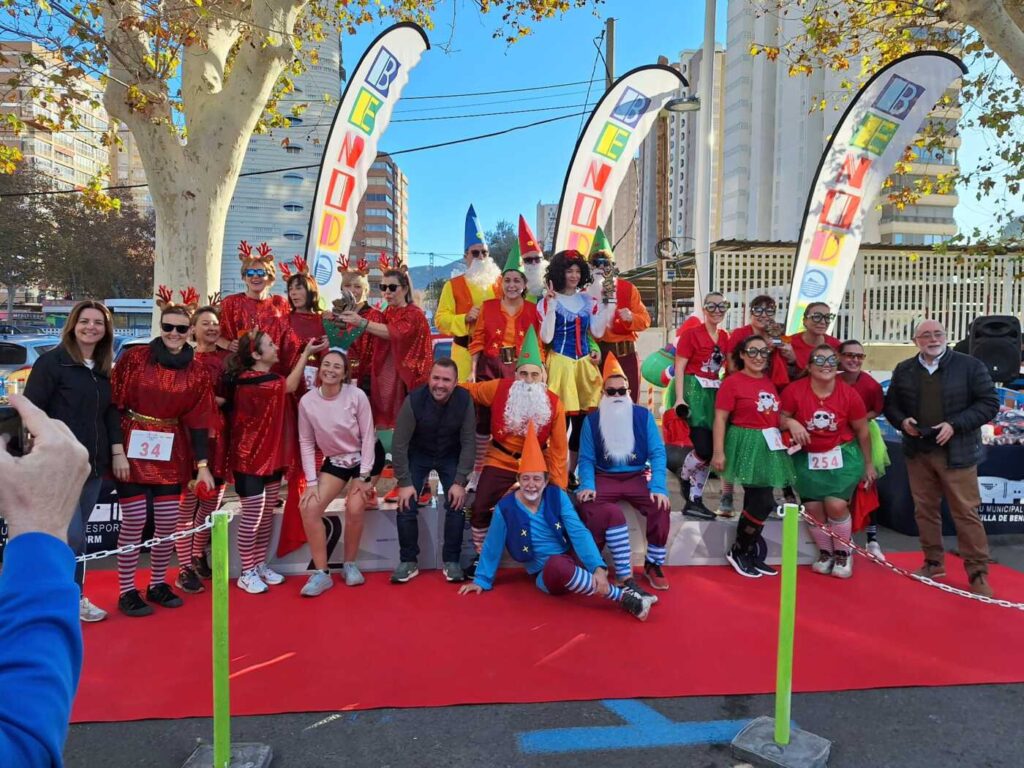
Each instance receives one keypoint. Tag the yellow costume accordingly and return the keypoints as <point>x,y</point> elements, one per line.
<point>459,296</point>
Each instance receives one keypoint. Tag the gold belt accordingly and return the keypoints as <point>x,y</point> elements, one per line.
<point>144,419</point>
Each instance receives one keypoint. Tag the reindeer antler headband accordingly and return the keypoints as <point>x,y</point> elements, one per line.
<point>362,267</point>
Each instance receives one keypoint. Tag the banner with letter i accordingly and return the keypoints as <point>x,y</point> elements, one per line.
<point>362,117</point>
<point>610,139</point>
<point>872,134</point>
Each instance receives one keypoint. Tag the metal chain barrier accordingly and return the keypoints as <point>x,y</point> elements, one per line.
<point>176,536</point>
<point>852,547</point>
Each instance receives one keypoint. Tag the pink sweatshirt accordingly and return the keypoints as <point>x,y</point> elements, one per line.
<point>341,427</point>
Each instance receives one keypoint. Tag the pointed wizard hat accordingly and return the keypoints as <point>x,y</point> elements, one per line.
<point>514,262</point>
<point>527,242</point>
<point>532,457</point>
<point>529,352</point>
<point>601,246</point>
<point>474,232</point>
<point>612,368</point>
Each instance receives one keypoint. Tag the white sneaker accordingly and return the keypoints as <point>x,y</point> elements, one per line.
<point>89,612</point>
<point>353,576</point>
<point>318,583</point>
<point>269,575</point>
<point>843,568</point>
<point>875,549</point>
<point>251,582</point>
<point>824,564</point>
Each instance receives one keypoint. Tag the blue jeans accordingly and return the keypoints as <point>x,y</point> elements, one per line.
<point>76,528</point>
<point>408,522</point>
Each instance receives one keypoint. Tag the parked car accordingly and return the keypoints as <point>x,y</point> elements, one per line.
<point>19,353</point>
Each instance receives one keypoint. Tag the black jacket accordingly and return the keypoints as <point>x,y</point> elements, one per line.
<point>968,398</point>
<point>70,392</point>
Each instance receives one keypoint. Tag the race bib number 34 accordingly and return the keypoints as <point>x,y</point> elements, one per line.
<point>152,446</point>
<point>826,460</point>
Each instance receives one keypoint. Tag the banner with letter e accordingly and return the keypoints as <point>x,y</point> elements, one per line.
<point>870,138</point>
<point>613,133</point>
<point>362,117</point>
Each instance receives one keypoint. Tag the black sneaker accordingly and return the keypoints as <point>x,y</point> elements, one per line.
<point>188,581</point>
<point>635,605</point>
<point>574,483</point>
<point>764,569</point>
<point>742,564</point>
<point>201,565</point>
<point>631,585</point>
<point>696,508</point>
<point>132,604</point>
<point>470,570</point>
<point>164,596</point>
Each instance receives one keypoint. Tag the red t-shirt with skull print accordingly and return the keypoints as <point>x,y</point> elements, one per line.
<point>751,403</point>
<point>705,356</point>
<point>827,419</point>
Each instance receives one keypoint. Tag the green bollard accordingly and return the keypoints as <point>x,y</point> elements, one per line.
<point>787,623</point>
<point>221,676</point>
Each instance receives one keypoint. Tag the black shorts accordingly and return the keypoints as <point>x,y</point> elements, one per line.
<point>342,473</point>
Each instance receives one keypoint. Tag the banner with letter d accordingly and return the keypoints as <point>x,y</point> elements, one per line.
<point>872,134</point>
<point>363,114</point>
<point>612,136</point>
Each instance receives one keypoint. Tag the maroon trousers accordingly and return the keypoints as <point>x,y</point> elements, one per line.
<point>604,511</point>
<point>492,485</point>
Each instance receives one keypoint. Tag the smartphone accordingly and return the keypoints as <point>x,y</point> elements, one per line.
<point>12,427</point>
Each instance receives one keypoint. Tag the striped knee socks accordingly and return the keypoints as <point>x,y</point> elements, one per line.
<point>248,526</point>
<point>133,520</point>
<point>617,539</point>
<point>187,507</point>
<point>582,582</point>
<point>165,518</point>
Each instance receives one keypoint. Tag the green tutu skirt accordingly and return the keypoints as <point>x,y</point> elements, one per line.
<point>817,484</point>
<point>700,400</point>
<point>750,462</point>
<point>879,453</point>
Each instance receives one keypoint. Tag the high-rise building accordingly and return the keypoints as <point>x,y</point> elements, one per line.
<point>126,170</point>
<point>70,157</point>
<point>275,207</point>
<point>774,137</point>
<point>547,217</point>
<point>383,219</point>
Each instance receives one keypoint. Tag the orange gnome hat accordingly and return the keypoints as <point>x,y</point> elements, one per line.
<point>612,367</point>
<point>532,459</point>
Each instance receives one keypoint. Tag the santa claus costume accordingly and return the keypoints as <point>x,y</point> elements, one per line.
<point>166,403</point>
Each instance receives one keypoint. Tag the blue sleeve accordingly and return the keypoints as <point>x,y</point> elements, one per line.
<point>490,553</point>
<point>40,649</point>
<point>585,466</point>
<point>656,455</point>
<point>582,542</point>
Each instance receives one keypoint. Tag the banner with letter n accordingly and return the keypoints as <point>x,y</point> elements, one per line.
<point>362,117</point>
<point>613,133</point>
<point>872,135</point>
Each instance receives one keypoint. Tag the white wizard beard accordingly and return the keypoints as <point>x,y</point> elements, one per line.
<point>535,276</point>
<point>615,418</point>
<point>483,273</point>
<point>526,402</point>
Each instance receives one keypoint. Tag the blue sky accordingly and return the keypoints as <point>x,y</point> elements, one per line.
<point>509,175</point>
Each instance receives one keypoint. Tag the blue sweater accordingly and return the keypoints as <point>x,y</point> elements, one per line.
<point>40,650</point>
<point>588,461</point>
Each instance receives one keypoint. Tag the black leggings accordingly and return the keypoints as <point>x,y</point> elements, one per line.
<point>130,490</point>
<point>757,505</point>
<point>574,423</point>
<point>253,485</point>
<point>703,444</point>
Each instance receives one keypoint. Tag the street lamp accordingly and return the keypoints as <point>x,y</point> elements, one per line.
<point>688,104</point>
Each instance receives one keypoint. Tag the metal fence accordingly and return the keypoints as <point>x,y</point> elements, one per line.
<point>890,288</point>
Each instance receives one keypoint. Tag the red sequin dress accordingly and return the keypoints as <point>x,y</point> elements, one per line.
<point>400,363</point>
<point>240,313</point>
<point>257,424</point>
<point>213,362</point>
<point>360,353</point>
<point>179,399</point>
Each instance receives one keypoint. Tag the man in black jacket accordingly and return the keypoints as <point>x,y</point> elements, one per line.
<point>939,400</point>
<point>435,430</point>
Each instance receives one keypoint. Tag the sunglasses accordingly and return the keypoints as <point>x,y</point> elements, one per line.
<point>616,392</point>
<point>531,260</point>
<point>719,307</point>
<point>758,352</point>
<point>820,360</point>
<point>255,273</point>
<point>168,327</point>
<point>601,263</point>
<point>854,355</point>
<point>476,253</point>
<point>389,287</point>
<point>763,311</point>
<point>821,317</point>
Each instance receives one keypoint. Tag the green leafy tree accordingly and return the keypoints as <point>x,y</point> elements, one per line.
<point>27,232</point>
<point>500,241</point>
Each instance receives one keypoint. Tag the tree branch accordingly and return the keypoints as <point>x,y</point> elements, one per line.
<point>204,63</point>
<point>999,22</point>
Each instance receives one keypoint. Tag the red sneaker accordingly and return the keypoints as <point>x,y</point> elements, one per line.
<point>391,497</point>
<point>426,496</point>
<point>655,575</point>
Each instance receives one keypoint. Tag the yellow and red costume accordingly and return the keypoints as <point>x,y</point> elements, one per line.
<point>458,297</point>
<point>498,336</point>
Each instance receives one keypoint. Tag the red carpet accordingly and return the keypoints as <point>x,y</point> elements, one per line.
<point>420,644</point>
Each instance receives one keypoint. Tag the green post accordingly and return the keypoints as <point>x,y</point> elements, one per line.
<point>221,682</point>
<point>787,622</point>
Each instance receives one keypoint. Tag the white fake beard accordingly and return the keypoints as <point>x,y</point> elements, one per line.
<point>526,402</point>
<point>483,273</point>
<point>535,277</point>
<point>531,495</point>
<point>615,417</point>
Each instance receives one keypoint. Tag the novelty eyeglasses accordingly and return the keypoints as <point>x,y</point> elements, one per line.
<point>825,362</point>
<point>821,317</point>
<point>763,311</point>
<point>758,352</point>
<point>721,306</point>
<point>255,273</point>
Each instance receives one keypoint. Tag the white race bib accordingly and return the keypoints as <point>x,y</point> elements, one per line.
<point>152,446</point>
<point>826,460</point>
<point>709,383</point>
<point>773,437</point>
